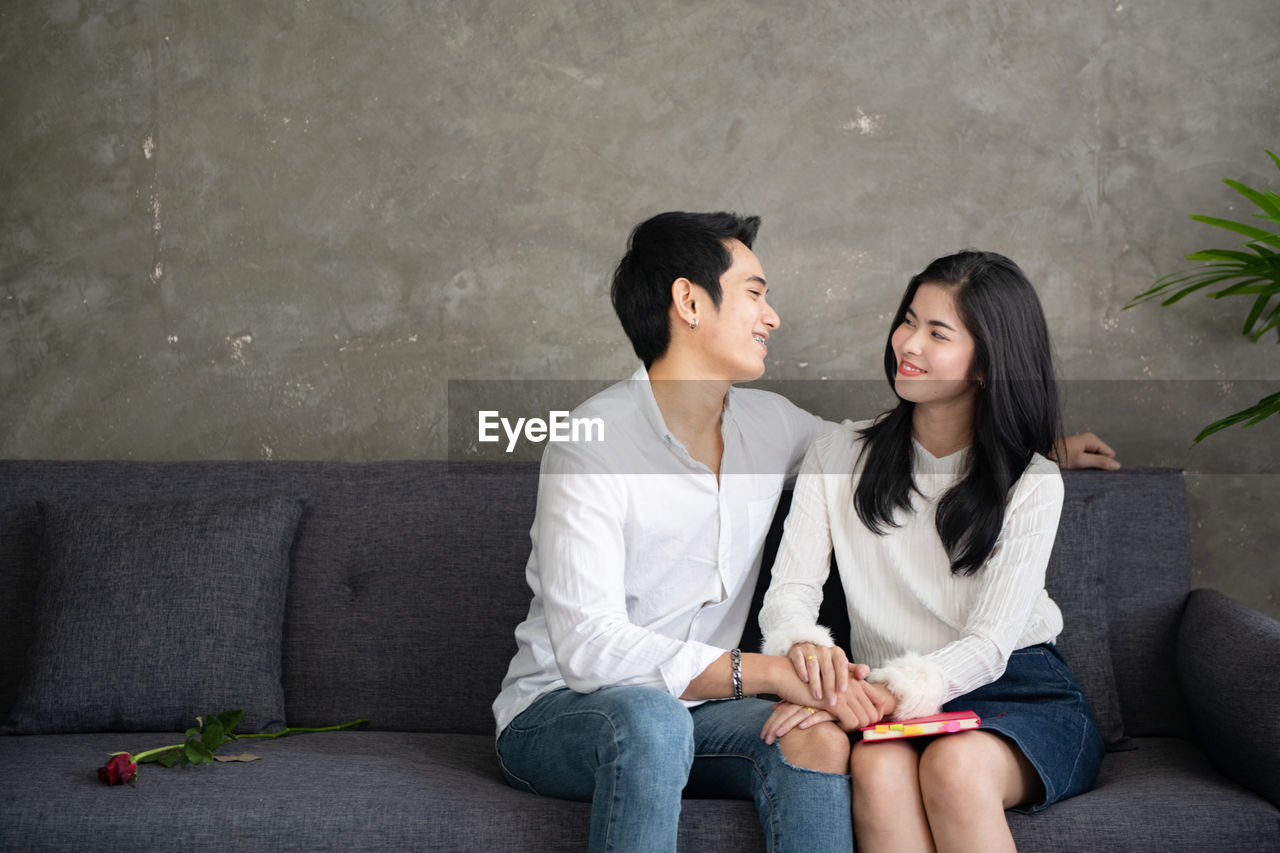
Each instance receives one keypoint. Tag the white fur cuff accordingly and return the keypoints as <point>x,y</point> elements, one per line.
<point>916,681</point>
<point>780,640</point>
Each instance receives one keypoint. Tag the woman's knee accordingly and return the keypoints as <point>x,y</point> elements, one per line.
<point>883,771</point>
<point>963,772</point>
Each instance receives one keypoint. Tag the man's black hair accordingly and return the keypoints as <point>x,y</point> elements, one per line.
<point>662,249</point>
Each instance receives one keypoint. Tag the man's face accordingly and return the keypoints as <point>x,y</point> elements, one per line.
<point>735,338</point>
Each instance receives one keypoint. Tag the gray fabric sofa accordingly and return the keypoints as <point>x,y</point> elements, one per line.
<point>404,583</point>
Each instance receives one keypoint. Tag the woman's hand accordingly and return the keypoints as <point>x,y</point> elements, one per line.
<point>787,716</point>
<point>882,697</point>
<point>861,704</point>
<point>825,669</point>
<point>1084,450</point>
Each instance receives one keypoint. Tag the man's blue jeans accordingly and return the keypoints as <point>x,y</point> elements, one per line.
<point>631,751</point>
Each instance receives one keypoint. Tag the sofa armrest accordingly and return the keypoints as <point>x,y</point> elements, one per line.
<point>1228,662</point>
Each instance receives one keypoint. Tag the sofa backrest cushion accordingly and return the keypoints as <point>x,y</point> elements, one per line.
<point>407,579</point>
<point>150,615</point>
<point>408,586</point>
<point>1146,542</point>
<point>1076,579</point>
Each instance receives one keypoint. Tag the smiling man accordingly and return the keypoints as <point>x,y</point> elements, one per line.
<point>646,550</point>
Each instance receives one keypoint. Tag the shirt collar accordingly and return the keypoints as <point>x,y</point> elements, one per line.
<point>642,388</point>
<point>647,403</point>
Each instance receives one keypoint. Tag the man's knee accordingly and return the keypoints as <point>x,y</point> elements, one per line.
<point>651,728</point>
<point>824,747</point>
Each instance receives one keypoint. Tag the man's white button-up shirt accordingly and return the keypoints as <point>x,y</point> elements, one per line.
<point>643,564</point>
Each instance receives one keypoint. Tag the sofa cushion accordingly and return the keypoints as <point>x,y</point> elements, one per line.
<point>1076,580</point>
<point>149,615</point>
<point>1146,546</point>
<point>392,791</point>
<point>340,791</point>
<point>1228,655</point>
<point>1158,797</point>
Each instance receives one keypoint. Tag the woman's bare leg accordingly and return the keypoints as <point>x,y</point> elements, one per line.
<point>967,780</point>
<point>888,812</point>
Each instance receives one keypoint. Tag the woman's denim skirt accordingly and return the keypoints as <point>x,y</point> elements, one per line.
<point>1039,706</point>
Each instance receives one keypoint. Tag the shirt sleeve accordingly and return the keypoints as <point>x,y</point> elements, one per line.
<point>1009,586</point>
<point>790,611</point>
<point>580,551</point>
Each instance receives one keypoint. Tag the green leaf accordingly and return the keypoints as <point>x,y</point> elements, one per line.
<point>1223,255</point>
<point>229,721</point>
<point>1173,279</point>
<point>1240,228</point>
<point>1200,285</point>
<point>1274,158</point>
<point>213,737</point>
<point>1258,198</point>
<point>193,732</point>
<point>197,753</point>
<point>1263,409</point>
<point>1244,285</point>
<point>1160,286</point>
<point>1272,322</point>
<point>168,759</point>
<point>1259,305</point>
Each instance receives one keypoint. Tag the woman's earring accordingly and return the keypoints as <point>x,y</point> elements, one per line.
<point>694,324</point>
<point>982,384</point>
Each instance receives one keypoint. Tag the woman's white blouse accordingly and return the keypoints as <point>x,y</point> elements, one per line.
<point>928,634</point>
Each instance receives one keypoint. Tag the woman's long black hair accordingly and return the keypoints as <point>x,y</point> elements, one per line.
<point>1015,411</point>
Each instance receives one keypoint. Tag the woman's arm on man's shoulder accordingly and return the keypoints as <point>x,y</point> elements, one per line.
<point>1085,450</point>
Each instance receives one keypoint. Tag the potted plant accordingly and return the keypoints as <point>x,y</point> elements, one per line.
<point>1251,270</point>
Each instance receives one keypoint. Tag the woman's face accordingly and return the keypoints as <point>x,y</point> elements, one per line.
<point>934,350</point>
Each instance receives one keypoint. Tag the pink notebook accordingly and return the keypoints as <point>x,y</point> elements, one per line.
<point>938,724</point>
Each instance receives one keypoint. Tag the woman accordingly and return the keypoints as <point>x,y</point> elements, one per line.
<point>942,535</point>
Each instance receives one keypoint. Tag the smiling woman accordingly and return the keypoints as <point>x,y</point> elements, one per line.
<point>942,515</point>
<point>934,352</point>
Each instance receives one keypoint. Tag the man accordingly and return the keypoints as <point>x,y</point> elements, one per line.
<point>646,549</point>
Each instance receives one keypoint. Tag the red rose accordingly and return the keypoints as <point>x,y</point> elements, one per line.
<point>118,770</point>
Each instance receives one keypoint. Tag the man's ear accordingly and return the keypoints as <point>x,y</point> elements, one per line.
<point>685,301</point>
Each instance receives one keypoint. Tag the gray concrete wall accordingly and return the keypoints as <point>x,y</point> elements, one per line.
<point>278,230</point>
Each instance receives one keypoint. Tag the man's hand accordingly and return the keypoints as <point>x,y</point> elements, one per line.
<point>1085,450</point>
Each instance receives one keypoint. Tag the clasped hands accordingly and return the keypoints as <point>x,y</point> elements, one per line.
<point>840,693</point>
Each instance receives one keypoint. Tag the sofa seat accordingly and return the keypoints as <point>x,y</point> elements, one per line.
<point>401,791</point>
<point>375,791</point>
<point>1154,797</point>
